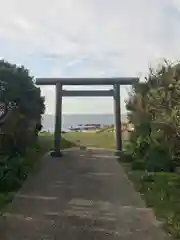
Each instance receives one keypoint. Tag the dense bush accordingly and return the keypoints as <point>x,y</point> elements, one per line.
<point>20,126</point>
<point>19,130</point>
<point>12,172</point>
<point>14,169</point>
<point>154,110</point>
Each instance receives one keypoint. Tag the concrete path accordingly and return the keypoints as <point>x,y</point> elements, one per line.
<point>83,196</point>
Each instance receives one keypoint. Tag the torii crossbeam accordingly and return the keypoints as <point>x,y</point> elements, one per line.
<point>115,93</point>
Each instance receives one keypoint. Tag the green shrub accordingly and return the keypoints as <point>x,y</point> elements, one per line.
<point>138,165</point>
<point>154,109</point>
<point>148,154</point>
<point>12,172</point>
<point>157,159</point>
<point>162,192</point>
<point>126,156</point>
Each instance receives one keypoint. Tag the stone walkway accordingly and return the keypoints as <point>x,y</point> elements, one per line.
<point>85,195</point>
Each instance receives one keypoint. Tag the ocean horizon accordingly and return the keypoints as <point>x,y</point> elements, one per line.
<point>48,121</point>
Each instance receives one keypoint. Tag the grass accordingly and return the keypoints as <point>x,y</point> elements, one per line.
<point>47,142</point>
<point>161,191</point>
<point>100,139</point>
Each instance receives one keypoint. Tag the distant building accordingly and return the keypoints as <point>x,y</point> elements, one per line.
<point>85,127</point>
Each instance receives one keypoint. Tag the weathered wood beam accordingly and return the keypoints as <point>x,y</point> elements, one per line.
<point>88,93</point>
<point>87,81</point>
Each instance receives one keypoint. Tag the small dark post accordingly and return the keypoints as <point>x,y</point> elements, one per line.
<point>117,112</point>
<point>58,116</point>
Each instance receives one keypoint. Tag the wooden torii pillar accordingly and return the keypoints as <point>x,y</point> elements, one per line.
<point>58,121</point>
<point>117,114</point>
<point>115,93</point>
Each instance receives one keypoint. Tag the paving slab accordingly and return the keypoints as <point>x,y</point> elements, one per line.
<point>83,195</point>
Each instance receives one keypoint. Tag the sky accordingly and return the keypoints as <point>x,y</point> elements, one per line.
<point>89,38</point>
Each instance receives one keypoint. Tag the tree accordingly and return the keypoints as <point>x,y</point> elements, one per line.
<point>154,109</point>
<point>19,87</point>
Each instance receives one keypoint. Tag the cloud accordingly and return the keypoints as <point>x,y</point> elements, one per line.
<point>89,38</point>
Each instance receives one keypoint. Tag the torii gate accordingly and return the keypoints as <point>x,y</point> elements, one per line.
<point>115,93</point>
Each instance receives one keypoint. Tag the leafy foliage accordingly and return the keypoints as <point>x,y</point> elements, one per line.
<point>19,128</point>
<point>19,87</point>
<point>162,192</point>
<point>22,125</point>
<point>154,110</point>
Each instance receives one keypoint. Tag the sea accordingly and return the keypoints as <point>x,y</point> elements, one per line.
<point>68,120</point>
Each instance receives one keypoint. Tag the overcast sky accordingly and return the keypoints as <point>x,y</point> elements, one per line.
<point>87,38</point>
